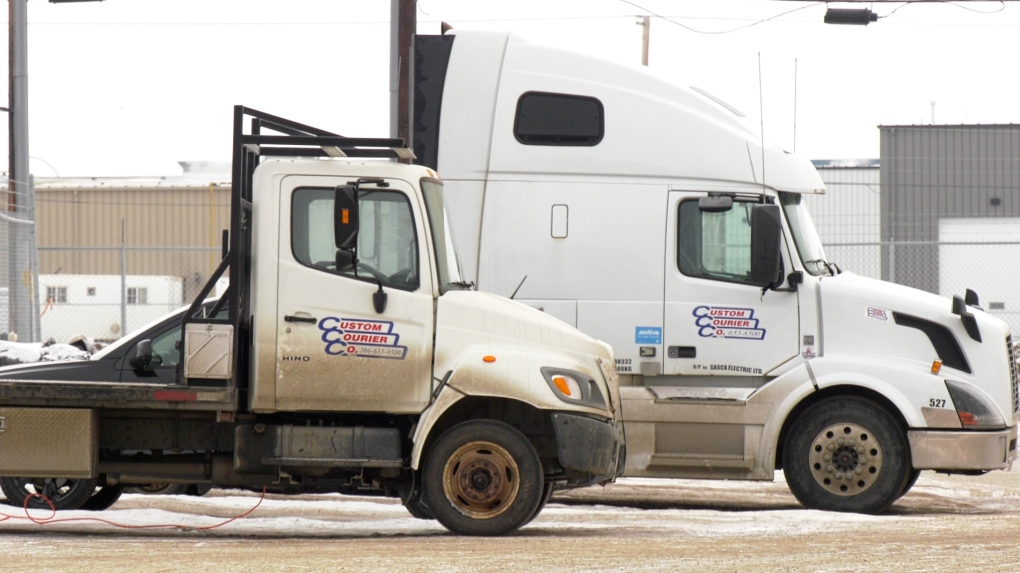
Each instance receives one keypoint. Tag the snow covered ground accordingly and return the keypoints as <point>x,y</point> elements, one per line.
<point>946,523</point>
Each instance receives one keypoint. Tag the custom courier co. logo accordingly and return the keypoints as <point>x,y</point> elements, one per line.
<point>727,322</point>
<point>367,338</point>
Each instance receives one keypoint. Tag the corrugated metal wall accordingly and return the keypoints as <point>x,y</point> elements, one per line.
<point>847,217</point>
<point>931,172</point>
<point>101,230</point>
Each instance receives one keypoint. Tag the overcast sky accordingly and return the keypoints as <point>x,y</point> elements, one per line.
<point>131,87</point>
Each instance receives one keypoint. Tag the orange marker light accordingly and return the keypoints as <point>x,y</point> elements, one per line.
<point>489,359</point>
<point>345,216</point>
<point>561,383</point>
<point>936,366</point>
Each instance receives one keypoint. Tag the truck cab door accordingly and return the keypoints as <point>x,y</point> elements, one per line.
<point>719,330</point>
<point>336,350</point>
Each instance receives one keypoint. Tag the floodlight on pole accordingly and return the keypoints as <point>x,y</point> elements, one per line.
<point>851,16</point>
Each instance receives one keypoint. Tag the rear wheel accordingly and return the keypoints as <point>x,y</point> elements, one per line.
<point>846,454</point>
<point>63,493</point>
<point>104,498</point>
<point>171,489</point>
<point>483,478</point>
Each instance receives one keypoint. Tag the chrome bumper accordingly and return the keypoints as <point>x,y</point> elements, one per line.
<point>939,450</point>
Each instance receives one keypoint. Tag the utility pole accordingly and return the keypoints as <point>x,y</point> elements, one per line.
<point>20,279</point>
<point>403,25</point>
<point>646,24</point>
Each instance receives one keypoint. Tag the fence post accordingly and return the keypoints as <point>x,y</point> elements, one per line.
<point>892,260</point>
<point>123,279</point>
<point>33,265</point>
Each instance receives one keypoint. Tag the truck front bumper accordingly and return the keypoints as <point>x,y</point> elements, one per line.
<point>983,451</point>
<point>588,449</point>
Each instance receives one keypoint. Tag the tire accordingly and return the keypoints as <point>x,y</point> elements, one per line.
<point>483,478</point>
<point>64,494</point>
<point>161,489</point>
<point>911,480</point>
<point>198,489</point>
<point>846,454</point>
<point>414,502</point>
<point>547,491</point>
<point>104,498</point>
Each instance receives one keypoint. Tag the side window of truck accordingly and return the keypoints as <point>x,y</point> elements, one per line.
<point>715,246</point>
<point>387,241</point>
<point>544,118</point>
<point>165,346</point>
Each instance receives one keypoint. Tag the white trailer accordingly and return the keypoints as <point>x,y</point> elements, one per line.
<point>96,305</point>
<point>652,216</point>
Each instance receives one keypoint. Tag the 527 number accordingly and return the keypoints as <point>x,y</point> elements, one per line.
<point>937,403</point>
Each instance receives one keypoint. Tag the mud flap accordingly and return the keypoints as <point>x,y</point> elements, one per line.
<point>586,445</point>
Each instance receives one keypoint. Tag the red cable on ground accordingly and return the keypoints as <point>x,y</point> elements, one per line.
<point>50,519</point>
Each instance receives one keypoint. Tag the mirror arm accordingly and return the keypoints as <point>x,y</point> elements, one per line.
<point>379,299</point>
<point>793,279</point>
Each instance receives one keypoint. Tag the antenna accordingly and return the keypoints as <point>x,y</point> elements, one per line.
<point>519,287</point>
<point>761,112</point>
<point>795,105</point>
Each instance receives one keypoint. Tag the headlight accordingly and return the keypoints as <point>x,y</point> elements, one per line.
<point>574,387</point>
<point>976,411</point>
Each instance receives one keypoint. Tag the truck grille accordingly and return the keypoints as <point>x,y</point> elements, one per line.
<point>1012,374</point>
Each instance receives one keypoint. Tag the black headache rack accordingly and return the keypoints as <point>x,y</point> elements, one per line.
<point>289,139</point>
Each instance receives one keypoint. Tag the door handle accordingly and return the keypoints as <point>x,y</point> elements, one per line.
<point>683,351</point>
<point>308,319</point>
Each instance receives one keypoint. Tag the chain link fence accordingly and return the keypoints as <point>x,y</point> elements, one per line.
<point>114,254</point>
<point>860,225</point>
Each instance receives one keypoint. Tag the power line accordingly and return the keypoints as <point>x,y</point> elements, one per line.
<point>696,31</point>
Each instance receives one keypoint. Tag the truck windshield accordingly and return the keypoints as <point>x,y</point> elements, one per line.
<point>450,277</point>
<point>804,234</point>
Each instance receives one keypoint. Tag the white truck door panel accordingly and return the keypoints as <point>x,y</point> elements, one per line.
<point>334,351</point>
<point>632,328</point>
<point>715,323</point>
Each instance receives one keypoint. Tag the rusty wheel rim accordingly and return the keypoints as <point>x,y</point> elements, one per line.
<point>481,480</point>
<point>845,459</point>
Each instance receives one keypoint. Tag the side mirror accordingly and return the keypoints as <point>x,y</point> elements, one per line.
<point>345,217</point>
<point>766,234</point>
<point>143,355</point>
<point>344,261</point>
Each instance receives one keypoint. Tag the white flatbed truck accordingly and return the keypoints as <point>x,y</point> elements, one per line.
<point>347,355</point>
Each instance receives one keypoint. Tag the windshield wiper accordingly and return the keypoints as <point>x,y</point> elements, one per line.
<point>466,285</point>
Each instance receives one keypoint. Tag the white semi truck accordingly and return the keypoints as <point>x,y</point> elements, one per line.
<point>652,216</point>
<point>347,355</point>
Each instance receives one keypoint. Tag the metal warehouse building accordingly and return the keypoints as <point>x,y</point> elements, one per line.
<point>939,211</point>
<point>110,246</point>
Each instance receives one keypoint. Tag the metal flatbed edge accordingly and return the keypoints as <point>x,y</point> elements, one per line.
<point>71,394</point>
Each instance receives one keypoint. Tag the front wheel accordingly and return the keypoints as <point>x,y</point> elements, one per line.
<point>63,493</point>
<point>414,500</point>
<point>483,478</point>
<point>547,492</point>
<point>846,454</point>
